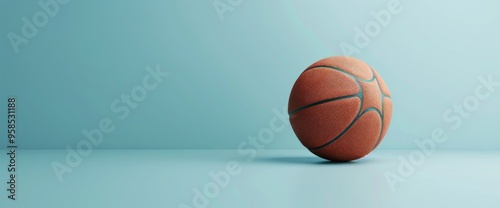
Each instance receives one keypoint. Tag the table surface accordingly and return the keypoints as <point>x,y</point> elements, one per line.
<point>274,178</point>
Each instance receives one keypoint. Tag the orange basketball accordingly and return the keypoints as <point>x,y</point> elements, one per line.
<point>340,108</point>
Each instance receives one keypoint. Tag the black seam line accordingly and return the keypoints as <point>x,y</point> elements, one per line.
<point>362,113</point>
<point>356,79</point>
<point>382,113</point>
<point>348,128</point>
<point>359,94</point>
<point>361,98</point>
<point>324,101</point>
<point>343,71</point>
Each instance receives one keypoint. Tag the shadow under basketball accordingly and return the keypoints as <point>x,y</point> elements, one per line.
<point>312,160</point>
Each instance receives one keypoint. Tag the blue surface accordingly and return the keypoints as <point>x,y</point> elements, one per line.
<point>276,178</point>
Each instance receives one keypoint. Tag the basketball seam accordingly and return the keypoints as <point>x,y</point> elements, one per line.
<point>348,128</point>
<point>358,114</point>
<point>341,70</point>
<point>359,94</point>
<point>374,78</point>
<point>323,102</point>
<point>382,117</point>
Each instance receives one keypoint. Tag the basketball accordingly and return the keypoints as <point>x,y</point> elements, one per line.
<point>340,108</point>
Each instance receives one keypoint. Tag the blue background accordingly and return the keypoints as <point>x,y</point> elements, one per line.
<point>226,77</point>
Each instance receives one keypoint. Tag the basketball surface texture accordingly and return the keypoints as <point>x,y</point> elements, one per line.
<point>340,108</point>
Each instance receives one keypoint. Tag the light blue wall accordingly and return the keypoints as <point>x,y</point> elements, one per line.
<point>226,77</point>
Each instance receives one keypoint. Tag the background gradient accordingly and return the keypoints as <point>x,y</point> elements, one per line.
<point>227,76</point>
